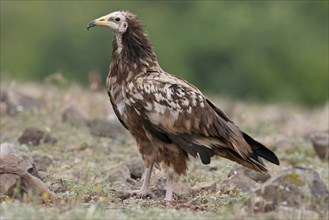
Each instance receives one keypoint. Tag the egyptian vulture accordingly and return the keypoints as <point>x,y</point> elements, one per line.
<point>169,118</point>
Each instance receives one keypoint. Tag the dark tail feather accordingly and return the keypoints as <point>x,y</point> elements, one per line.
<point>253,162</point>
<point>261,151</point>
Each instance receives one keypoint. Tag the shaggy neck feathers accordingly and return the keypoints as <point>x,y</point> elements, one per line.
<point>133,46</point>
<point>132,53</point>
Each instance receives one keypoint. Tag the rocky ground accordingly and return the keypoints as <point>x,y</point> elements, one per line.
<point>64,155</point>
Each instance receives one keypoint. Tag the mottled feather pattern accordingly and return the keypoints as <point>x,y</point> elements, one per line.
<point>177,113</point>
<point>170,118</point>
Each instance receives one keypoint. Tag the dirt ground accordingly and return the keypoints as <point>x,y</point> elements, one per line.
<point>81,162</point>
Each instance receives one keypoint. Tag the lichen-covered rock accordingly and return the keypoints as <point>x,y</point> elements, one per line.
<point>295,187</point>
<point>252,174</point>
<point>34,136</point>
<point>320,143</point>
<point>75,117</point>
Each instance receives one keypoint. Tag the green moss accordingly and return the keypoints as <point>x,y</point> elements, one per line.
<point>294,179</point>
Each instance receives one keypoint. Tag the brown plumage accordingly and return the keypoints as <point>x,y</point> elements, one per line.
<point>169,118</point>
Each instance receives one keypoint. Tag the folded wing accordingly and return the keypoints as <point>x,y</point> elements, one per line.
<point>176,112</point>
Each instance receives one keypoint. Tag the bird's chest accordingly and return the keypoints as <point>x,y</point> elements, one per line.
<point>120,103</point>
<point>123,107</point>
<point>116,92</point>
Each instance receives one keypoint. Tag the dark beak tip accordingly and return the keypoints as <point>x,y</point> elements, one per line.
<point>91,24</point>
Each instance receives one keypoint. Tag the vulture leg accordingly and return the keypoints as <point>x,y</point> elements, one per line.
<point>147,177</point>
<point>169,188</point>
<point>144,191</point>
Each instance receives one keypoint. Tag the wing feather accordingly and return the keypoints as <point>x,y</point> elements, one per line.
<point>175,111</point>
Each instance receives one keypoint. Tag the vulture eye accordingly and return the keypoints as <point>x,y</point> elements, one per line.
<point>117,19</point>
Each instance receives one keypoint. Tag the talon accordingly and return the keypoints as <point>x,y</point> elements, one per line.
<point>142,194</point>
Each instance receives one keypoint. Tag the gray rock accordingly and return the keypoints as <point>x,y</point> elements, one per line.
<point>7,148</point>
<point>119,186</point>
<point>16,101</point>
<point>34,136</point>
<point>320,143</point>
<point>182,190</point>
<point>42,162</point>
<point>11,169</point>
<point>48,139</point>
<point>240,181</point>
<point>8,183</point>
<point>75,117</point>
<point>25,170</point>
<point>16,164</point>
<point>136,167</point>
<point>252,174</point>
<point>295,187</point>
<point>106,128</point>
<point>205,186</point>
<point>119,174</point>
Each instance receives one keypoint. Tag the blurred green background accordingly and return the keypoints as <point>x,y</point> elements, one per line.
<point>264,50</point>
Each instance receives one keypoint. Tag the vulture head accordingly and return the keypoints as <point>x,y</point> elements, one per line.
<point>130,39</point>
<point>116,21</point>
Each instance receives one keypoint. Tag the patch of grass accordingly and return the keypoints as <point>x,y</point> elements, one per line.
<point>82,161</point>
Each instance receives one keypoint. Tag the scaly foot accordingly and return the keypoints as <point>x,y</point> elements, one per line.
<point>142,193</point>
<point>168,199</point>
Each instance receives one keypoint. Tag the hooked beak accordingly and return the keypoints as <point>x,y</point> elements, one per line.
<point>91,24</point>
<point>102,21</point>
